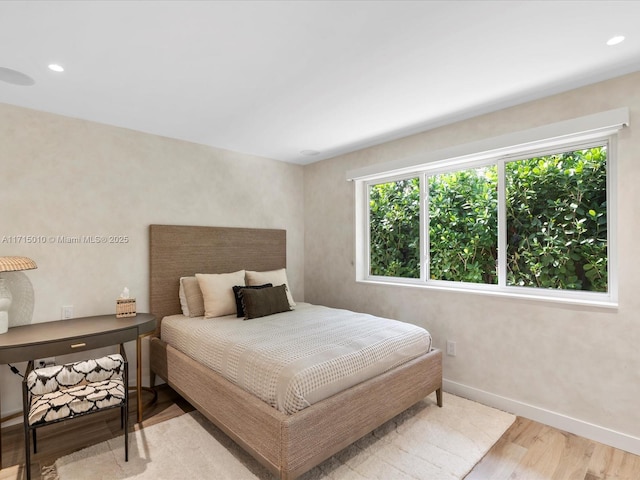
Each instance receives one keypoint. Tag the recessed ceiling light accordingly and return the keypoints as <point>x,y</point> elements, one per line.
<point>56,68</point>
<point>309,153</point>
<point>615,40</point>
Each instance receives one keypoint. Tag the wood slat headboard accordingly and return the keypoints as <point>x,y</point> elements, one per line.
<point>180,251</point>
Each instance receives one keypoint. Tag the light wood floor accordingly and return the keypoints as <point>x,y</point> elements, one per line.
<point>532,451</point>
<point>527,451</point>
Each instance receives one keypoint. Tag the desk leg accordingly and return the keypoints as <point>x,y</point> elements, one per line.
<point>139,388</point>
<point>139,375</point>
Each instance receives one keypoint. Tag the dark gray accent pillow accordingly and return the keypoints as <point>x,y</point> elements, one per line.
<point>264,301</point>
<point>236,292</point>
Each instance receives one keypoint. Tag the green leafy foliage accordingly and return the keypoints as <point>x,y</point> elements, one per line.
<point>394,218</point>
<point>557,221</point>
<point>463,221</point>
<point>556,214</point>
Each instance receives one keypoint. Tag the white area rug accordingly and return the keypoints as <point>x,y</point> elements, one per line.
<point>424,443</point>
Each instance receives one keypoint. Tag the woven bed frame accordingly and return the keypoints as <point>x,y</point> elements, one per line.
<point>288,445</point>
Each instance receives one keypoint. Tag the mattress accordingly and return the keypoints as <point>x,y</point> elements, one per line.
<point>293,359</point>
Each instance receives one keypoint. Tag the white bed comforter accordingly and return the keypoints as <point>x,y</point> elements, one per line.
<point>291,360</point>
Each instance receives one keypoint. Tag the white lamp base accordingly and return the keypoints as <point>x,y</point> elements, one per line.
<point>5,304</point>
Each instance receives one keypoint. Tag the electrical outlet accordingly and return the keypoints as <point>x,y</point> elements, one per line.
<point>45,362</point>
<point>67,312</point>
<point>451,348</point>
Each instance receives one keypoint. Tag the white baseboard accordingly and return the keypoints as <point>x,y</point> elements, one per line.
<point>588,430</point>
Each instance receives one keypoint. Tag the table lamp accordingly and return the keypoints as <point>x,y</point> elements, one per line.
<point>10,264</point>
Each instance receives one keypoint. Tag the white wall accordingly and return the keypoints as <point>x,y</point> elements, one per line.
<point>63,176</point>
<point>577,367</point>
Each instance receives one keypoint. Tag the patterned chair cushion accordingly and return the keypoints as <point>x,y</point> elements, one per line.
<point>64,391</point>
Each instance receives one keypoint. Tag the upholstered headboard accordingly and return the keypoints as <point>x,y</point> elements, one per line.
<point>180,251</point>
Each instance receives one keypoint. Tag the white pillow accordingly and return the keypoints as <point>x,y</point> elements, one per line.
<point>275,277</point>
<point>217,290</point>
<point>183,299</point>
<point>191,299</point>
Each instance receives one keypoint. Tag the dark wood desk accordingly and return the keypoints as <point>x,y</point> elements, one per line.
<point>49,339</point>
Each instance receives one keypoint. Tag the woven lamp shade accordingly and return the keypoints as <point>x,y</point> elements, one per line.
<point>14,264</point>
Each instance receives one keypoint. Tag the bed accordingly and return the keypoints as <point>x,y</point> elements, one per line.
<point>288,444</point>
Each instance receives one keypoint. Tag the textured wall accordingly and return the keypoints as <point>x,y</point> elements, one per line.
<point>68,177</point>
<point>576,361</point>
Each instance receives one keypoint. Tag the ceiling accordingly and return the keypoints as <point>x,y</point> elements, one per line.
<point>276,78</point>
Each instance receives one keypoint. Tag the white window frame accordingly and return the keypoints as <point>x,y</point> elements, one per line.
<point>574,135</point>
<point>367,232</point>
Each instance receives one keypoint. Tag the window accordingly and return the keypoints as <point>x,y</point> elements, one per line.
<point>394,222</point>
<point>556,220</point>
<point>532,221</point>
<point>463,225</point>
